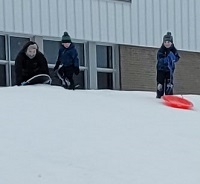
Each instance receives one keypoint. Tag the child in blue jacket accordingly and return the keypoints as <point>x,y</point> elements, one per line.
<point>167,56</point>
<point>68,58</point>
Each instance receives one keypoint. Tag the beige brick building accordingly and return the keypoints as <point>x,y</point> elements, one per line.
<point>117,40</point>
<point>138,71</point>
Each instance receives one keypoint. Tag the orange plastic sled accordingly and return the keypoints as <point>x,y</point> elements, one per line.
<point>177,102</point>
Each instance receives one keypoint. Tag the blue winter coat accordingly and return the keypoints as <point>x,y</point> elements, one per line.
<point>68,56</point>
<point>166,58</point>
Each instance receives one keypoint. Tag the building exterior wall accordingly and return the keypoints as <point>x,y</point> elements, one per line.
<point>142,22</point>
<point>187,73</point>
<point>138,70</point>
<point>139,26</point>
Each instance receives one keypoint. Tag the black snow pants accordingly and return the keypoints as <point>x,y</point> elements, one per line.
<point>66,73</point>
<point>164,83</point>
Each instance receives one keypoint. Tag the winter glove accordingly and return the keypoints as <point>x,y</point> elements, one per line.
<point>55,68</point>
<point>23,83</point>
<point>76,70</point>
<point>57,65</point>
<point>172,57</point>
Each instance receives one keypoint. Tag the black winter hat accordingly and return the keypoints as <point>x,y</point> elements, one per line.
<point>168,37</point>
<point>66,38</point>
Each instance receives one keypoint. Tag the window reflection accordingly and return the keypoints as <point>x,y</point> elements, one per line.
<point>2,75</point>
<point>16,44</point>
<point>105,80</point>
<point>104,56</point>
<point>51,49</point>
<point>80,50</point>
<point>2,48</point>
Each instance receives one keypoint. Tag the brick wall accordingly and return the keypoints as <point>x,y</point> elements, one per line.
<point>138,70</point>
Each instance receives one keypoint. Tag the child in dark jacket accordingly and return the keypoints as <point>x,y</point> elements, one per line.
<point>68,58</point>
<point>29,62</point>
<point>167,56</point>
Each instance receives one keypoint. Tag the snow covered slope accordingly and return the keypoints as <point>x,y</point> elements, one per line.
<point>49,135</point>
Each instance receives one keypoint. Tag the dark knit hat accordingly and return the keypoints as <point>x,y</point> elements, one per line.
<point>66,38</point>
<point>168,37</point>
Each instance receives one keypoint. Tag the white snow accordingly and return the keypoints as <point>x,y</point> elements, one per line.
<point>49,135</point>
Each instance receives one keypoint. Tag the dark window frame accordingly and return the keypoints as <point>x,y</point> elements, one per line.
<point>3,51</point>
<point>14,40</point>
<point>108,63</point>
<point>105,80</point>
<point>2,75</point>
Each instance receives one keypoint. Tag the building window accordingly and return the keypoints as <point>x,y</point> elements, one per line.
<point>51,49</point>
<point>104,56</point>
<point>13,75</point>
<point>80,50</point>
<point>105,69</point>
<point>3,49</point>
<point>105,80</point>
<point>16,44</point>
<point>79,80</point>
<point>2,75</point>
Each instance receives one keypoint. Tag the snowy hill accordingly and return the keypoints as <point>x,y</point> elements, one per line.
<point>49,135</point>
